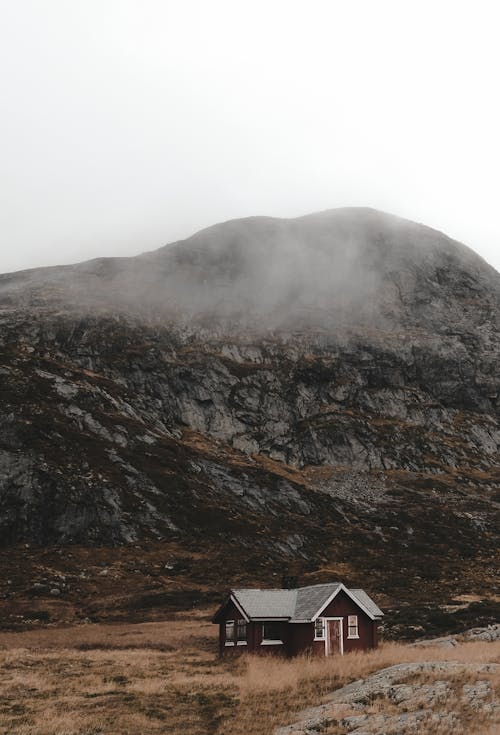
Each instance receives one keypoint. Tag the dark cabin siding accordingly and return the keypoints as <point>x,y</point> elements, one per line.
<point>318,648</point>
<point>254,635</point>
<point>342,606</point>
<point>265,648</point>
<point>231,612</point>
<point>298,638</point>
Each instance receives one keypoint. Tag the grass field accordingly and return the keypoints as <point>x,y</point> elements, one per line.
<point>165,677</point>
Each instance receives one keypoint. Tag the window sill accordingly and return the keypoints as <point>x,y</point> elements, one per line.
<point>228,643</point>
<point>241,643</point>
<point>319,639</point>
<point>271,643</point>
<point>352,637</point>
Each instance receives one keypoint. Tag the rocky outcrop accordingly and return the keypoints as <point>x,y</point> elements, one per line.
<point>411,705</point>
<point>489,634</point>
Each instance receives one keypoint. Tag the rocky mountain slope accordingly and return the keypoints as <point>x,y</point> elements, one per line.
<point>317,395</point>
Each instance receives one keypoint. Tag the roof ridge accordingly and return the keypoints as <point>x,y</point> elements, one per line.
<point>301,603</point>
<point>266,589</point>
<point>284,589</point>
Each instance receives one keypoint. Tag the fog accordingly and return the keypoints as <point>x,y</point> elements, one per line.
<point>331,271</point>
<point>127,125</point>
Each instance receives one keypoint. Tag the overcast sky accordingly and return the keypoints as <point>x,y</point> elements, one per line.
<point>127,124</point>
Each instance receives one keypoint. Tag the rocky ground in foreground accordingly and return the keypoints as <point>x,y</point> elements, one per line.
<point>429,697</point>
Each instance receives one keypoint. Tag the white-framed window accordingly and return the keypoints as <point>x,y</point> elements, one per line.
<point>319,629</point>
<point>271,633</point>
<point>352,626</point>
<point>230,633</point>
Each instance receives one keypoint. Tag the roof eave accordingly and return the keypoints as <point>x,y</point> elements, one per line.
<point>231,598</point>
<point>237,604</point>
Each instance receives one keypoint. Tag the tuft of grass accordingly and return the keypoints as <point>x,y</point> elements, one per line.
<point>166,678</point>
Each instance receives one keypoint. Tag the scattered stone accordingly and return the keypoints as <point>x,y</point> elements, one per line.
<point>445,642</point>
<point>474,693</point>
<point>423,706</point>
<point>490,633</point>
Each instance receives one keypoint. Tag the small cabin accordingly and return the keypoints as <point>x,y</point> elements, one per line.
<point>322,619</point>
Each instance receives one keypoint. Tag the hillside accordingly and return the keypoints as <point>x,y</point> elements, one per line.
<point>317,396</point>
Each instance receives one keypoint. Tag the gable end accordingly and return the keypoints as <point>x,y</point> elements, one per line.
<point>231,600</point>
<point>353,597</point>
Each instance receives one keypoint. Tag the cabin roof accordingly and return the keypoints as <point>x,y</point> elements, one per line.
<point>367,602</point>
<point>303,604</point>
<point>311,599</point>
<point>267,603</point>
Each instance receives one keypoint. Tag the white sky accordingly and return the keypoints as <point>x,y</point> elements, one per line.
<point>127,124</point>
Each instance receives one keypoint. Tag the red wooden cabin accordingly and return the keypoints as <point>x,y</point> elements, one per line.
<point>323,619</point>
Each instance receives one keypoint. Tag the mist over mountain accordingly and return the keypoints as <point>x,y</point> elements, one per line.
<point>325,270</point>
<point>318,394</point>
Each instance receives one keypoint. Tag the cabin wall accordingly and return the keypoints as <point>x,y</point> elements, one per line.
<point>265,648</point>
<point>231,612</point>
<point>254,642</point>
<point>342,606</point>
<point>300,639</point>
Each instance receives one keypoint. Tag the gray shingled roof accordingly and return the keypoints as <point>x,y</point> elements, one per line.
<point>311,599</point>
<point>267,603</point>
<point>367,602</point>
<point>298,604</point>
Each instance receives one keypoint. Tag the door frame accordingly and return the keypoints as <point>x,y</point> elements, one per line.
<point>327,637</point>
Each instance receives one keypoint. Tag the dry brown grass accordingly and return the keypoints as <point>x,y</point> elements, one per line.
<point>166,678</point>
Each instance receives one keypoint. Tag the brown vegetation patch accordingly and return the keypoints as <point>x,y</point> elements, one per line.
<point>166,678</point>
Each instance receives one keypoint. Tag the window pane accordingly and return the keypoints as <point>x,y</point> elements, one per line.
<point>230,631</point>
<point>319,628</point>
<point>271,631</point>
<point>241,630</point>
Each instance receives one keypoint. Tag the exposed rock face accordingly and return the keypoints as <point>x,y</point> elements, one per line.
<point>322,391</point>
<point>440,702</point>
<point>490,633</point>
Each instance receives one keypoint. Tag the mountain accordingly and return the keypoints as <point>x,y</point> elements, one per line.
<point>318,396</point>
